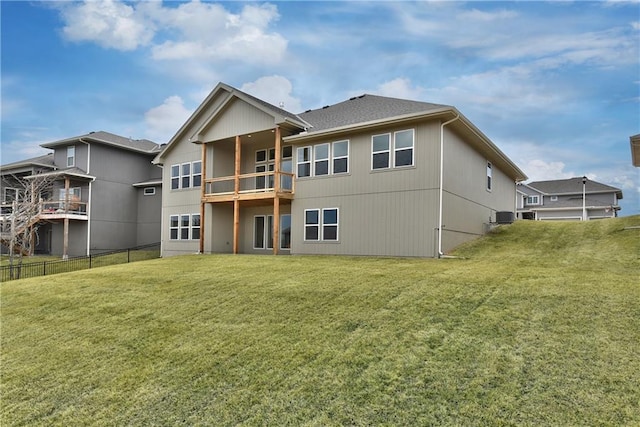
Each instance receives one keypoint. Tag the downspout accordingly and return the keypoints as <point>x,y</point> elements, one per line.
<point>440,253</point>
<point>89,197</point>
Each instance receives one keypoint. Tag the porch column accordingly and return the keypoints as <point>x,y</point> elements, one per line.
<point>276,195</point>
<point>203,191</point>
<point>36,214</point>
<point>236,201</point>
<point>65,241</point>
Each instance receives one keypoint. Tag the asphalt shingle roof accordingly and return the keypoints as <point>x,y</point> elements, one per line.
<point>45,160</point>
<point>571,186</point>
<point>140,145</point>
<point>362,109</point>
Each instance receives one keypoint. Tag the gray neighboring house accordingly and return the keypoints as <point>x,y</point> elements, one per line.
<point>106,194</point>
<point>562,199</point>
<point>368,176</point>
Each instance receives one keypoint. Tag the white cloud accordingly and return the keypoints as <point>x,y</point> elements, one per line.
<point>164,120</point>
<point>540,170</point>
<point>194,30</point>
<point>400,88</point>
<point>108,23</point>
<point>274,90</point>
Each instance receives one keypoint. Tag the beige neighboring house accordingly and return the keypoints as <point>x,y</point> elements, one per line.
<point>635,149</point>
<point>367,176</point>
<point>568,199</point>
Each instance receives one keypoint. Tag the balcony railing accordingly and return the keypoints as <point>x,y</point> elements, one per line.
<point>51,209</point>
<point>258,185</point>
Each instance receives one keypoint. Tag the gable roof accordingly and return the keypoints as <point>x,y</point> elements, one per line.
<point>44,161</point>
<point>572,186</point>
<point>279,115</point>
<point>137,145</point>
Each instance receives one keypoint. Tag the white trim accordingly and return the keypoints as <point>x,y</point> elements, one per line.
<point>388,151</point>
<point>396,149</point>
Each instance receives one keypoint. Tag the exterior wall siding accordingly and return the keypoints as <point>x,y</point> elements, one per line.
<point>382,212</point>
<point>149,217</point>
<point>468,207</point>
<point>238,118</point>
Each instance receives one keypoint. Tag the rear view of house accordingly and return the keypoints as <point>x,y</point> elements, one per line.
<point>368,176</point>
<point>568,199</point>
<point>104,194</point>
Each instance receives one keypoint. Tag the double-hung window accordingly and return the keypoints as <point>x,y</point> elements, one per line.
<point>489,176</point>
<point>321,159</point>
<point>403,148</point>
<point>71,156</point>
<point>184,227</point>
<point>321,225</point>
<point>186,175</point>
<point>533,200</point>
<point>340,157</point>
<point>380,149</point>
<point>304,161</point>
<point>175,177</point>
<point>401,145</point>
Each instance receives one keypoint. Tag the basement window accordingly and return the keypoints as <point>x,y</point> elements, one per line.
<point>149,191</point>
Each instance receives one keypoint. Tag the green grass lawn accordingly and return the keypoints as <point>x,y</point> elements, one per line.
<point>536,324</point>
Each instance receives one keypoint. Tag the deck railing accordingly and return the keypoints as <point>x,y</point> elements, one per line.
<point>250,183</point>
<point>50,208</point>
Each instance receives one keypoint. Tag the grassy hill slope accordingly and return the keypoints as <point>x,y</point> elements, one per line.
<point>536,324</point>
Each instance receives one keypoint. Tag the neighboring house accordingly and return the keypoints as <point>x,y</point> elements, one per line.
<point>567,199</point>
<point>368,176</point>
<point>106,194</point>
<point>635,149</point>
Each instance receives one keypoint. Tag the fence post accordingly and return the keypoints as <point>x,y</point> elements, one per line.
<point>44,268</point>
<point>128,256</point>
<point>90,257</point>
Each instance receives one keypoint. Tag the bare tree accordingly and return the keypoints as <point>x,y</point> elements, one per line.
<point>22,223</point>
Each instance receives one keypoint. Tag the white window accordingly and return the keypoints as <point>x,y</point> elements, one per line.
<point>554,198</point>
<point>328,159</point>
<point>380,149</point>
<point>304,161</point>
<point>195,226</point>
<point>489,176</point>
<point>401,145</point>
<point>71,156</point>
<point>340,157</point>
<point>196,171</point>
<point>175,177</point>
<point>533,200</point>
<point>186,175</point>
<point>403,148</point>
<point>184,227</point>
<point>321,224</point>
<point>321,159</point>
<point>330,224</point>
<point>173,227</point>
<point>149,191</point>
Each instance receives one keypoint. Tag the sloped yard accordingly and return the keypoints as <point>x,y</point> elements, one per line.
<point>536,324</point>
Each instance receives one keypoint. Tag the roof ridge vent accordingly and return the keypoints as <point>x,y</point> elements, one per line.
<point>326,106</point>
<point>352,98</point>
<point>362,96</point>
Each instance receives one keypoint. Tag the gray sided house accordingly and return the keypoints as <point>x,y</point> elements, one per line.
<point>105,194</point>
<point>368,176</point>
<point>567,199</point>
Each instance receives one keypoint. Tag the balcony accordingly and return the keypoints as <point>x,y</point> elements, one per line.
<point>251,186</point>
<point>51,210</point>
<point>61,209</point>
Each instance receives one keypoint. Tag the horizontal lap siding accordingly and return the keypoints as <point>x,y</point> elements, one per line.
<point>388,213</point>
<point>467,205</point>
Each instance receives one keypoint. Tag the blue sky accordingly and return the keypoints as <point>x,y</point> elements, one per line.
<point>556,85</point>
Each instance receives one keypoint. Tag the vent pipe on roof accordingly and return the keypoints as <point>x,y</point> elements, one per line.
<point>440,253</point>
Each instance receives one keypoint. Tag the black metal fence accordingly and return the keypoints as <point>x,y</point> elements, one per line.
<point>37,269</point>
